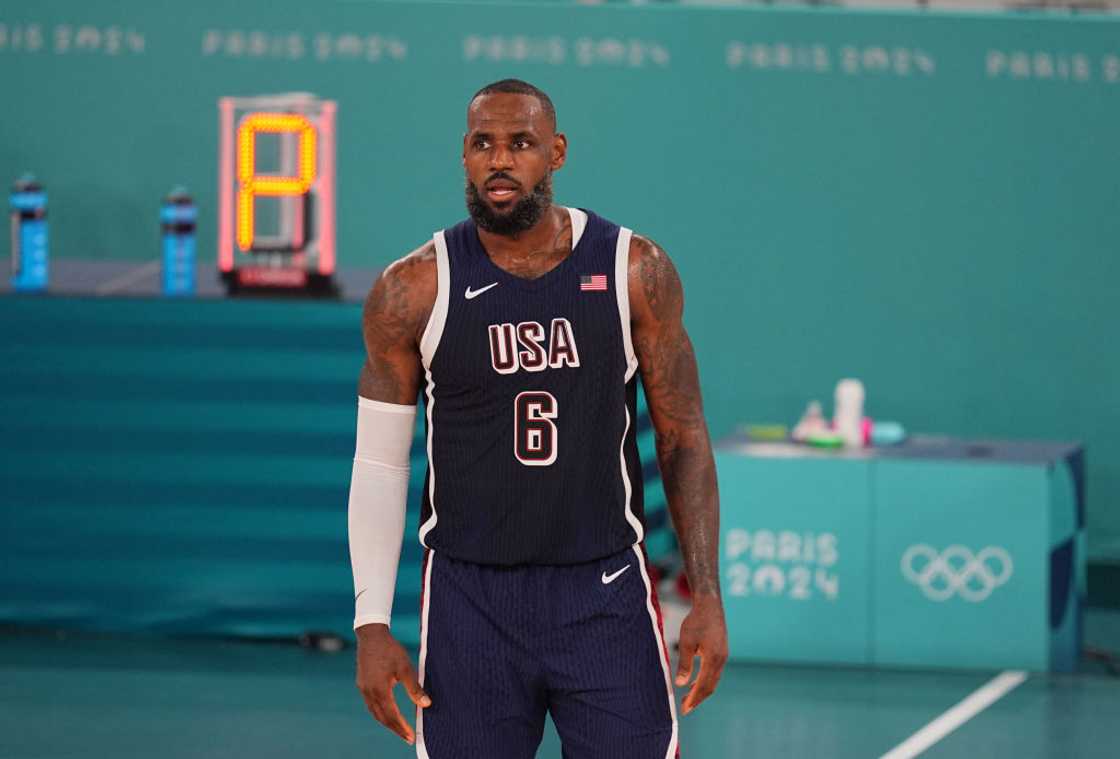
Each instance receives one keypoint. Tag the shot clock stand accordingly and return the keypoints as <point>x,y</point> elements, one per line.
<point>260,281</point>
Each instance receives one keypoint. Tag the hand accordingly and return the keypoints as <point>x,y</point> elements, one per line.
<point>382,663</point>
<point>703,634</point>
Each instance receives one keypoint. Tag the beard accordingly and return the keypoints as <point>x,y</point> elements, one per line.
<point>525,212</point>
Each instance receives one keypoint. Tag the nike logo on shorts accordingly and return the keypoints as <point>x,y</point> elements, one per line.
<point>475,293</point>
<point>609,578</point>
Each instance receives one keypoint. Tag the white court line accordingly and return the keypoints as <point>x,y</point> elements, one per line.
<point>973,704</point>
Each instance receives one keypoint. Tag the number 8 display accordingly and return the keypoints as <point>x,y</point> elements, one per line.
<point>250,184</point>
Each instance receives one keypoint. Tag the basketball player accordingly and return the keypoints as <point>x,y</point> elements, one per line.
<point>526,328</point>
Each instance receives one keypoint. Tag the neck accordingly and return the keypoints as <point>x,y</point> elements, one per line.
<point>539,237</point>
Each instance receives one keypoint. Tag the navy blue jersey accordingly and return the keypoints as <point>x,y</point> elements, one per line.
<point>530,394</point>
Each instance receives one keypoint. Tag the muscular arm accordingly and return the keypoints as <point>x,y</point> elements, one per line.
<point>393,320</point>
<point>684,454</point>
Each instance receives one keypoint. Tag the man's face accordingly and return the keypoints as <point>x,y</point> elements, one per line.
<point>509,153</point>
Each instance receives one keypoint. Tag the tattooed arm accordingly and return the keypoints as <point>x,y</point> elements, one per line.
<point>684,454</point>
<point>393,322</point>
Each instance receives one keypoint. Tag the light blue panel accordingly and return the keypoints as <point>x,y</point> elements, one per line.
<point>794,556</point>
<point>961,564</point>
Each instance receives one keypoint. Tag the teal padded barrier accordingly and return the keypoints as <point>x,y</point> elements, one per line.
<point>183,467</point>
<point>934,553</point>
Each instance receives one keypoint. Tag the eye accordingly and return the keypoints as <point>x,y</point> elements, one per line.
<point>481,144</point>
<point>522,144</point>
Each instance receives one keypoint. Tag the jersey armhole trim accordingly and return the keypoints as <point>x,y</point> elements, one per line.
<point>433,331</point>
<point>622,291</point>
<point>579,224</point>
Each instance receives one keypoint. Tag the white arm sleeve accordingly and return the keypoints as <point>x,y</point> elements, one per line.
<point>378,492</point>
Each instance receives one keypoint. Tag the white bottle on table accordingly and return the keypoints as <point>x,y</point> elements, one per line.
<point>847,420</point>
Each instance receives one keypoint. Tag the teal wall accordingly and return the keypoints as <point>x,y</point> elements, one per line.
<point>927,202</point>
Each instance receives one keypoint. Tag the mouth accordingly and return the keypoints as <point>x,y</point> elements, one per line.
<point>501,191</point>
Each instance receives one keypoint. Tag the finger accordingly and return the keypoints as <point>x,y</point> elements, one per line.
<point>395,721</point>
<point>684,666</point>
<point>384,709</point>
<point>372,707</point>
<point>367,696</point>
<point>412,687</point>
<point>696,693</point>
<point>705,685</point>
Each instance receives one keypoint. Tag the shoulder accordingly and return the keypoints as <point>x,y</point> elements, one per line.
<point>647,254</point>
<point>410,276</point>
<point>655,286</point>
<point>647,261</point>
<point>417,268</point>
<point>405,291</point>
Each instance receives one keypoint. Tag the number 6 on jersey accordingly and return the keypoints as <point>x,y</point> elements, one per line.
<point>534,432</point>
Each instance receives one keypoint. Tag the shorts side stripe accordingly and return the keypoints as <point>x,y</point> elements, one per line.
<point>655,620</point>
<point>425,602</point>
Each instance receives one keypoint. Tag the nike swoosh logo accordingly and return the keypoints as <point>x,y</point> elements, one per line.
<point>363,590</point>
<point>475,293</point>
<point>609,578</point>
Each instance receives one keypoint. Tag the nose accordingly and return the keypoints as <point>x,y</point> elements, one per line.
<point>501,158</point>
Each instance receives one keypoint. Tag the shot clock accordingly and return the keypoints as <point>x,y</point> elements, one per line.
<point>276,170</point>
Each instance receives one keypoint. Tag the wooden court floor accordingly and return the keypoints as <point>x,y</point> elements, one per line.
<point>103,696</point>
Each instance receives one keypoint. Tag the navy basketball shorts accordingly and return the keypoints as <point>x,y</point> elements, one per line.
<point>501,646</point>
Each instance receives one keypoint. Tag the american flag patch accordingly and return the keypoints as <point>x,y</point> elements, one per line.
<point>593,282</point>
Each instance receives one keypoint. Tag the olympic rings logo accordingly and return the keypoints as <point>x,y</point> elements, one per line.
<point>957,571</point>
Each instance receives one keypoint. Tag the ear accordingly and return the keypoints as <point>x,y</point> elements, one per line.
<point>559,151</point>
<point>463,157</point>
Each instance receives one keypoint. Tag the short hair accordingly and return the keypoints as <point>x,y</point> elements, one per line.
<point>519,87</point>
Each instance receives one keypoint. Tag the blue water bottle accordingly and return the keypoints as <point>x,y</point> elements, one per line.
<point>177,216</point>
<point>29,235</point>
